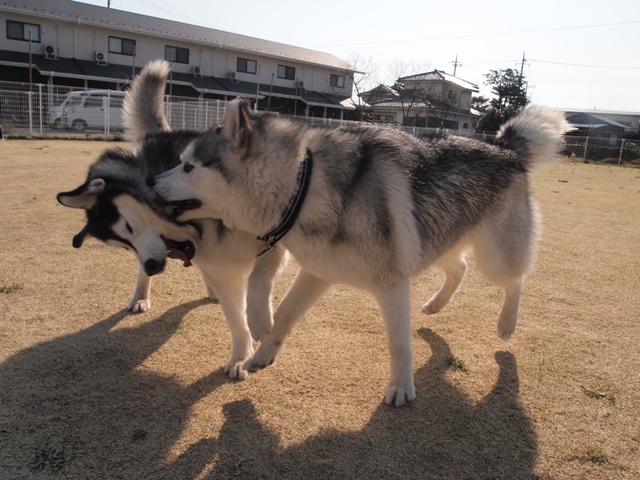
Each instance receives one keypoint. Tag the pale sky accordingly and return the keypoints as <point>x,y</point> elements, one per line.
<point>579,54</point>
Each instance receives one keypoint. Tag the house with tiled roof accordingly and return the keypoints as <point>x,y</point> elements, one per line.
<point>604,122</point>
<point>63,42</point>
<point>432,99</point>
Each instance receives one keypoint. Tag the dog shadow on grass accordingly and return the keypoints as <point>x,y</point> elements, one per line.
<point>442,435</point>
<point>80,406</point>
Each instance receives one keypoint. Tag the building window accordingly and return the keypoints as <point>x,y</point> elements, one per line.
<point>176,54</point>
<point>123,46</point>
<point>21,31</point>
<point>337,81</point>
<point>248,66</point>
<point>288,73</point>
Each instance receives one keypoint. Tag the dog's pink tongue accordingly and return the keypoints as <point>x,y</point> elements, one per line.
<point>174,252</point>
<point>179,255</point>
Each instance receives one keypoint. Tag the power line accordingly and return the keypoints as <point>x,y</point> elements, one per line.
<point>481,34</point>
<point>169,12</point>
<point>581,65</point>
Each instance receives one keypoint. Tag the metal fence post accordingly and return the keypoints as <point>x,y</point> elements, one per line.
<point>621,147</point>
<point>40,106</point>
<point>584,155</point>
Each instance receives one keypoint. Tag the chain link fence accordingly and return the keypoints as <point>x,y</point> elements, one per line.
<point>615,151</point>
<point>53,110</point>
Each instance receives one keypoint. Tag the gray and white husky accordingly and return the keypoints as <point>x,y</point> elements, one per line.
<point>380,206</point>
<point>124,211</point>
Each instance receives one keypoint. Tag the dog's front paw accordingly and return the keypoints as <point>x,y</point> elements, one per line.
<point>264,356</point>
<point>139,305</point>
<point>235,371</point>
<point>399,395</point>
<point>506,329</point>
<point>436,303</point>
<point>260,325</point>
<point>432,306</point>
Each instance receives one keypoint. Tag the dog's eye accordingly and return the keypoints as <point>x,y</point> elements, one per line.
<point>129,229</point>
<point>187,167</point>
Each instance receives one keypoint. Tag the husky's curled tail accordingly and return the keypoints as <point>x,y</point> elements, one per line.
<point>536,135</point>
<point>143,105</point>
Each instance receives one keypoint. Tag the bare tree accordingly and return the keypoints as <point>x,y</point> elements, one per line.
<point>440,104</point>
<point>364,70</point>
<point>409,91</point>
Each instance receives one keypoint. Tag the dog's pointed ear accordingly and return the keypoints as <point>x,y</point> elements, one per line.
<point>237,121</point>
<point>85,196</point>
<point>78,239</point>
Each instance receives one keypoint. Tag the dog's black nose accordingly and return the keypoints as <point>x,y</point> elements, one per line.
<point>152,267</point>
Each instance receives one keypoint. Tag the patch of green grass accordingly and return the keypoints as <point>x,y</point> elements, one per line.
<point>599,395</point>
<point>457,363</point>
<point>12,288</point>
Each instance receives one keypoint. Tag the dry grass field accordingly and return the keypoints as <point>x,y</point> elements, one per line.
<point>88,391</point>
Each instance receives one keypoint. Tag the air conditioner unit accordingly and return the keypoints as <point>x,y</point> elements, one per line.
<point>50,51</point>
<point>197,72</point>
<point>232,77</point>
<point>101,58</point>
<point>300,86</point>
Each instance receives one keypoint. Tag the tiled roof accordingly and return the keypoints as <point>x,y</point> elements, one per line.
<point>437,75</point>
<point>586,120</point>
<point>133,22</point>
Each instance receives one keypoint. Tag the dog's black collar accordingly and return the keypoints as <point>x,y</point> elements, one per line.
<point>293,209</point>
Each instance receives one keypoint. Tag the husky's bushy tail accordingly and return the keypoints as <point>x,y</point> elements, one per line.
<point>536,135</point>
<point>143,104</point>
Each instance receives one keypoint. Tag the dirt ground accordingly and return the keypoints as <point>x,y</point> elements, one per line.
<point>88,391</point>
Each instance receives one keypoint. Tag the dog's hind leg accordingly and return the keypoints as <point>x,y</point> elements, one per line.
<point>454,266</point>
<point>508,317</point>
<point>141,301</point>
<point>505,247</point>
<point>261,281</point>
<point>305,290</point>
<point>396,314</point>
<point>495,264</point>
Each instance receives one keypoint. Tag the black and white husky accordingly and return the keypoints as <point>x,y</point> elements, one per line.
<point>124,211</point>
<point>374,207</point>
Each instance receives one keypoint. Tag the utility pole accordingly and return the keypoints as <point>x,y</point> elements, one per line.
<point>455,65</point>
<point>524,60</point>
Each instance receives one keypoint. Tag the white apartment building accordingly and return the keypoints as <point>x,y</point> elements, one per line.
<point>62,42</point>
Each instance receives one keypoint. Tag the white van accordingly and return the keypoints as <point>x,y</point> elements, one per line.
<point>93,109</point>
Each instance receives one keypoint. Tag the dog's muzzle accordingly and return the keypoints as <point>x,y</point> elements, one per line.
<point>181,206</point>
<point>153,267</point>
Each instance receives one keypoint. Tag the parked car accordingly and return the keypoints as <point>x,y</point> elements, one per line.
<point>91,109</point>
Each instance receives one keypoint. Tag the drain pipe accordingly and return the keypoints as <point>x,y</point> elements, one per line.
<point>75,37</point>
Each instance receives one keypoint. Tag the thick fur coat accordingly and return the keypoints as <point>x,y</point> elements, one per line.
<point>381,206</point>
